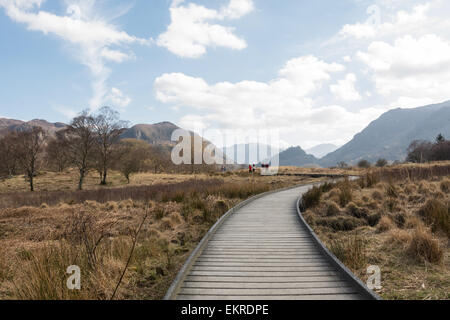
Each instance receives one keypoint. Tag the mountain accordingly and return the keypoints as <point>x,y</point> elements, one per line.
<point>158,133</point>
<point>390,135</point>
<point>250,152</point>
<point>322,150</point>
<point>296,157</point>
<point>8,125</point>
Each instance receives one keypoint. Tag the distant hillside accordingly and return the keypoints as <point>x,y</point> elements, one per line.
<point>159,133</point>
<point>297,157</point>
<point>8,125</point>
<point>322,150</point>
<point>390,135</point>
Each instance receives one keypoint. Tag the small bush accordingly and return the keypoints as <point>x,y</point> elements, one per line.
<point>445,186</point>
<point>391,191</point>
<point>373,219</point>
<point>423,247</point>
<point>350,251</point>
<point>400,219</point>
<point>332,208</point>
<point>356,211</point>
<point>385,224</point>
<point>372,178</point>
<point>311,199</point>
<point>376,195</point>
<point>436,214</point>
<point>364,164</point>
<point>399,237</point>
<point>339,223</point>
<point>345,193</point>
<point>381,163</point>
<point>159,212</point>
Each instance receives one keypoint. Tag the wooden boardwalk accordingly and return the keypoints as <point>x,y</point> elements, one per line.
<point>264,251</point>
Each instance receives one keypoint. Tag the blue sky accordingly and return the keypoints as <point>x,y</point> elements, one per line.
<point>316,71</point>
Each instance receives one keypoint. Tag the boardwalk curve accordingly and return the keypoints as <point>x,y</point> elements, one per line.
<point>264,250</point>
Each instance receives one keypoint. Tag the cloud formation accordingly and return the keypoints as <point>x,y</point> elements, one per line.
<point>284,103</point>
<point>193,28</point>
<point>95,40</point>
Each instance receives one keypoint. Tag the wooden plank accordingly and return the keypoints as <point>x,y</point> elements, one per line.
<point>267,292</point>
<point>272,297</point>
<point>279,280</point>
<point>265,285</point>
<point>261,264</point>
<point>264,273</point>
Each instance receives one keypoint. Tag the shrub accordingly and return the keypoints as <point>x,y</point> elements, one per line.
<point>399,237</point>
<point>381,163</point>
<point>373,219</point>
<point>423,247</point>
<point>350,251</point>
<point>345,193</point>
<point>339,223</point>
<point>332,208</point>
<point>364,164</point>
<point>159,212</point>
<point>436,214</point>
<point>391,190</point>
<point>385,224</point>
<point>400,219</point>
<point>376,195</point>
<point>310,199</point>
<point>445,186</point>
<point>356,211</point>
<point>372,178</point>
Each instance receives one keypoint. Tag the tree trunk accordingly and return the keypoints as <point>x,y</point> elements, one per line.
<point>80,183</point>
<point>104,174</point>
<point>30,176</point>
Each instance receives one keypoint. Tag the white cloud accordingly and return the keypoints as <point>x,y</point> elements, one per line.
<point>402,22</point>
<point>95,39</point>
<point>191,31</point>
<point>345,89</point>
<point>411,71</point>
<point>285,103</point>
<point>118,98</point>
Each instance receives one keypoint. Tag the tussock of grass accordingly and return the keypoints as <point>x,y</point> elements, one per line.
<point>424,247</point>
<point>350,250</point>
<point>385,224</point>
<point>445,186</point>
<point>437,215</point>
<point>345,193</point>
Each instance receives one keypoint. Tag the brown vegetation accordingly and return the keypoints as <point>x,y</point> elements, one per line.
<point>99,231</point>
<point>398,219</point>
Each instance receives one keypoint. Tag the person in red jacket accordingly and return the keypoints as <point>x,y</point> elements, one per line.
<point>250,169</point>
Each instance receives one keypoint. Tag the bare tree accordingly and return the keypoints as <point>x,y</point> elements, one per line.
<point>8,157</point>
<point>134,154</point>
<point>419,151</point>
<point>28,149</point>
<point>57,152</point>
<point>81,142</point>
<point>108,128</point>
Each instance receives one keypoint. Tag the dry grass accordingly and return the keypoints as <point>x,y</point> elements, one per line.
<point>95,229</point>
<point>424,247</point>
<point>403,225</point>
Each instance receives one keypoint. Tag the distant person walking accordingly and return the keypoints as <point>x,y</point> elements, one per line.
<point>250,169</point>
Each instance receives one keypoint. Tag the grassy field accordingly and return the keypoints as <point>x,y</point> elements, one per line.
<point>162,216</point>
<point>395,218</point>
